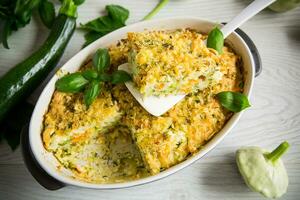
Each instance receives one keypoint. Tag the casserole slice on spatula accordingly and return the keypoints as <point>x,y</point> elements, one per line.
<point>166,66</point>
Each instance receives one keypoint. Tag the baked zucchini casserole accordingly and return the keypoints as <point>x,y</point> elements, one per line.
<point>115,139</point>
<point>177,62</point>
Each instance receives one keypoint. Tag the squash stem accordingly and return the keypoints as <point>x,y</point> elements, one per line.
<point>158,7</point>
<point>68,8</point>
<point>278,152</point>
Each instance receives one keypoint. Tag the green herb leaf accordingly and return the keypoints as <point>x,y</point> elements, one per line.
<point>91,93</point>
<point>71,83</point>
<point>120,76</point>
<point>101,60</point>
<point>23,11</point>
<point>47,13</point>
<point>115,19</point>
<point>215,40</point>
<point>105,77</point>
<point>5,34</point>
<point>118,13</point>
<point>91,37</point>
<point>90,74</point>
<point>157,8</point>
<point>16,14</point>
<point>102,25</point>
<point>78,2</point>
<point>233,101</point>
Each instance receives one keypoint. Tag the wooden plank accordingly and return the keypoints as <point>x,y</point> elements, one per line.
<point>208,181</point>
<point>273,117</point>
<point>7,156</point>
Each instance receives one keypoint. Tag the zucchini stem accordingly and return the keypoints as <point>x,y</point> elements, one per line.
<point>278,152</point>
<point>68,8</point>
<point>155,10</point>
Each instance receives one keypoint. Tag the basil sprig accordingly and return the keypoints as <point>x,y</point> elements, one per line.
<point>89,81</point>
<point>116,18</point>
<point>90,74</point>
<point>101,60</point>
<point>71,83</point>
<point>91,92</point>
<point>215,40</point>
<point>233,101</point>
<point>47,13</point>
<point>16,14</point>
<point>120,76</point>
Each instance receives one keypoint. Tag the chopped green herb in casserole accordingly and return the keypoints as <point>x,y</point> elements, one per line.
<point>176,62</point>
<point>116,140</point>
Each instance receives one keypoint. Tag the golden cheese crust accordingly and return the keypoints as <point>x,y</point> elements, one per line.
<point>116,120</point>
<point>169,139</point>
<point>172,62</point>
<point>90,142</point>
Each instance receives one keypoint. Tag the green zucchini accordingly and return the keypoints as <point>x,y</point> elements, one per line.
<point>18,83</point>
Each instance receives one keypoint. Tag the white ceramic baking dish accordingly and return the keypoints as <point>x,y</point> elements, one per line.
<point>49,163</point>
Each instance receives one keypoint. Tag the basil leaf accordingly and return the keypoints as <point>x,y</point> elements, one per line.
<point>105,77</point>
<point>115,19</point>
<point>117,13</point>
<point>6,33</point>
<point>47,13</point>
<point>71,83</point>
<point>91,37</point>
<point>23,11</point>
<point>16,14</point>
<point>101,60</point>
<point>90,74</point>
<point>102,25</point>
<point>233,101</point>
<point>120,76</point>
<point>91,93</point>
<point>215,40</point>
<point>78,2</point>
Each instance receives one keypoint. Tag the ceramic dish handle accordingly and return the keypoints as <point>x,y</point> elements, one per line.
<point>252,48</point>
<point>34,168</point>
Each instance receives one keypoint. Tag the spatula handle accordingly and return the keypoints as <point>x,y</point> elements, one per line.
<point>251,10</point>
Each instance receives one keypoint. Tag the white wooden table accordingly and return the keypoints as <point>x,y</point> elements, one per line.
<point>273,117</point>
